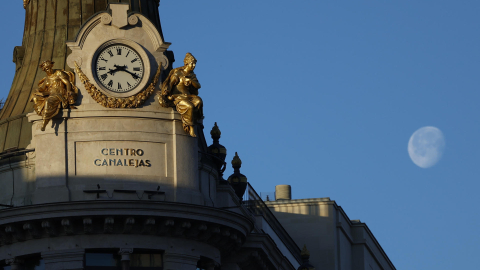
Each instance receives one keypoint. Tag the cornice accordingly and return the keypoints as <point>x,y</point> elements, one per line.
<point>220,228</point>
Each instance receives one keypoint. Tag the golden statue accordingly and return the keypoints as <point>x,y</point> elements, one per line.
<point>55,91</point>
<point>180,89</point>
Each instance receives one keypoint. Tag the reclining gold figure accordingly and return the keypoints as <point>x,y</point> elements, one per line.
<point>57,90</point>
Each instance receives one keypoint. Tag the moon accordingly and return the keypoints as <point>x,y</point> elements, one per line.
<point>426,146</point>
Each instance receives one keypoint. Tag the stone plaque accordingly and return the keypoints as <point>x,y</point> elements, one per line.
<point>120,158</point>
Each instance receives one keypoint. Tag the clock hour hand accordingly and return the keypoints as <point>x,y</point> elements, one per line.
<point>120,67</point>
<point>112,71</point>
<point>117,68</point>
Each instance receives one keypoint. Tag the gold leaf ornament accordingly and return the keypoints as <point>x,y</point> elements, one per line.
<point>25,3</point>
<point>112,102</point>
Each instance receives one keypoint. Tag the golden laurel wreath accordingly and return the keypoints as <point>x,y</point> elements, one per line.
<point>112,102</point>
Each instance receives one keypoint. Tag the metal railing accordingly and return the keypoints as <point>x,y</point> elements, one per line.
<point>257,206</point>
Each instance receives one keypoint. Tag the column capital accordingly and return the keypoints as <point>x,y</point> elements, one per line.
<point>125,253</point>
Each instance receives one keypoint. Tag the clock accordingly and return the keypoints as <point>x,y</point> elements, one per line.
<point>118,68</point>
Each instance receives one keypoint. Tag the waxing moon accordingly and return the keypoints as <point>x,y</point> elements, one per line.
<point>426,146</point>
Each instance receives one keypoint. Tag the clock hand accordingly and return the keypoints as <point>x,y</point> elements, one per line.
<point>113,71</point>
<point>120,67</point>
<point>135,76</point>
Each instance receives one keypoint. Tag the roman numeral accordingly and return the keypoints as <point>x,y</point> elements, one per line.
<point>110,83</point>
<point>104,76</point>
<point>119,51</point>
<point>134,60</point>
<point>104,59</point>
<point>110,52</point>
<point>127,54</point>
<point>101,68</point>
<point>136,69</point>
<point>119,86</point>
<point>129,85</point>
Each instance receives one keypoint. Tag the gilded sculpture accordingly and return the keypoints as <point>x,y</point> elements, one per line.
<point>57,90</point>
<point>25,3</point>
<point>180,90</point>
<point>112,102</point>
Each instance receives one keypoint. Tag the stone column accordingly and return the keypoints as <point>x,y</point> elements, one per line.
<point>125,253</point>
<point>71,259</point>
<point>15,263</point>
<point>174,261</point>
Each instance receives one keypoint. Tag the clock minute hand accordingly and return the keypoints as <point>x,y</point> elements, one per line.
<point>135,76</point>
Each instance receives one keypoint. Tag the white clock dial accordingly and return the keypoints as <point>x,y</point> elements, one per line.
<point>119,68</point>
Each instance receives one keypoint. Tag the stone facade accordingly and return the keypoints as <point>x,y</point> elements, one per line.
<point>121,187</point>
<point>118,187</point>
<point>334,241</point>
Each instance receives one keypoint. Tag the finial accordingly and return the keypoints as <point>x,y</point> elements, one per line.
<point>305,253</point>
<point>215,132</point>
<point>236,162</point>
<point>238,181</point>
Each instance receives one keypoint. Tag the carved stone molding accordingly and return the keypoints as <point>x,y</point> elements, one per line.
<point>32,229</point>
<point>225,238</point>
<point>133,20</point>
<point>108,225</point>
<point>67,226</point>
<point>128,225</point>
<point>49,228</point>
<point>224,230</point>
<point>18,55</point>
<point>15,232</point>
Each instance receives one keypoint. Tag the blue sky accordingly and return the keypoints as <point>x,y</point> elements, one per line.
<point>324,95</point>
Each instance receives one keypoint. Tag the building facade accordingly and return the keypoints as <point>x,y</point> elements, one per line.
<point>334,241</point>
<point>104,163</point>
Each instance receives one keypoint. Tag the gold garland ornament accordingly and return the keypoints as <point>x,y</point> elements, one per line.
<point>112,102</point>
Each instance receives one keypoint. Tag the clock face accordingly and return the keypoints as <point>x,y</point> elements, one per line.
<point>119,68</point>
